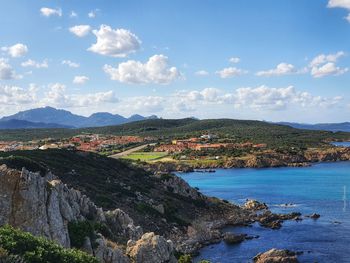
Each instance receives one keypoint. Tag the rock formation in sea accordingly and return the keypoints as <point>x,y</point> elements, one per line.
<point>276,256</point>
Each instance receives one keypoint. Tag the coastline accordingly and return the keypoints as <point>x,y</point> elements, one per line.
<point>268,159</point>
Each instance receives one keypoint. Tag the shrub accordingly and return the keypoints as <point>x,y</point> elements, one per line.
<point>185,259</point>
<point>39,250</point>
<point>78,231</point>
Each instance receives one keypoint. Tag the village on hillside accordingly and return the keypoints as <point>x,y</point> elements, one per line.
<point>206,146</point>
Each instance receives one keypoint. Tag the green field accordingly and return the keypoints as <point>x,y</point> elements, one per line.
<point>145,156</point>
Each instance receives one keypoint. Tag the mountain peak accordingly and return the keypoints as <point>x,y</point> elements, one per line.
<point>49,115</point>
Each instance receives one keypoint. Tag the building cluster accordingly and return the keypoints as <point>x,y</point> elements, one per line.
<point>14,146</point>
<point>85,142</point>
<point>96,143</point>
<point>201,144</point>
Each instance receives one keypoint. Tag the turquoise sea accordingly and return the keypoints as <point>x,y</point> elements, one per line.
<point>322,188</point>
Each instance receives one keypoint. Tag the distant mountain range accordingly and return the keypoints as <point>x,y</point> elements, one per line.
<point>49,117</point>
<point>334,127</point>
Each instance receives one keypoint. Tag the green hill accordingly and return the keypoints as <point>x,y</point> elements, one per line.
<point>238,130</point>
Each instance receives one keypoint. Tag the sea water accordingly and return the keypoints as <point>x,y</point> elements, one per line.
<point>322,188</point>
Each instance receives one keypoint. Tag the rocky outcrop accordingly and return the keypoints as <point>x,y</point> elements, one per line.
<point>314,216</point>
<point>255,205</point>
<point>122,225</point>
<point>44,206</point>
<point>108,253</point>
<point>276,256</point>
<point>274,221</point>
<point>179,186</point>
<point>328,154</point>
<point>151,248</point>
<point>232,238</point>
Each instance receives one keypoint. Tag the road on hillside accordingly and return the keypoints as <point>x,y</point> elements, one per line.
<point>127,152</point>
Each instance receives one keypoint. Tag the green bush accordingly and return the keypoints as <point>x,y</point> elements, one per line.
<point>39,250</point>
<point>185,259</point>
<point>78,231</point>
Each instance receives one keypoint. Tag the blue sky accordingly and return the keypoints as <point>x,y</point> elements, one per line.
<point>269,60</point>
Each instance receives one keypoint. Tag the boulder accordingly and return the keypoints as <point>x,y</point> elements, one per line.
<point>151,248</point>
<point>276,256</point>
<point>314,216</point>
<point>231,238</point>
<point>109,254</point>
<point>255,205</point>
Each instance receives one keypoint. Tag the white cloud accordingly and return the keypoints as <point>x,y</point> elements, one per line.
<point>58,97</point>
<point>205,95</point>
<point>155,70</point>
<point>322,59</point>
<point>327,69</point>
<point>95,98</point>
<point>281,69</point>
<point>144,104</point>
<point>16,51</point>
<point>35,64</point>
<point>201,73</point>
<point>339,3</point>
<point>80,30</point>
<point>73,14</point>
<point>261,98</point>
<point>70,64</point>
<point>45,11</point>
<point>325,65</point>
<point>114,43</point>
<point>265,98</point>
<point>80,79</point>
<point>234,60</point>
<point>231,72</point>
<point>92,14</point>
<point>6,71</point>
<point>13,95</point>
<point>348,18</point>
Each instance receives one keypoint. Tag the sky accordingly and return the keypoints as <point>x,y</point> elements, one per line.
<point>286,60</point>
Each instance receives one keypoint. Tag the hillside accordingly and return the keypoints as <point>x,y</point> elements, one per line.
<point>21,124</point>
<point>114,184</point>
<point>275,135</point>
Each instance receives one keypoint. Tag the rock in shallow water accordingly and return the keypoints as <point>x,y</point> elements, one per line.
<point>276,256</point>
<point>255,205</point>
<point>231,238</point>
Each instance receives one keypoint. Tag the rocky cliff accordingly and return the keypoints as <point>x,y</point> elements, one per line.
<point>125,213</point>
<point>44,206</point>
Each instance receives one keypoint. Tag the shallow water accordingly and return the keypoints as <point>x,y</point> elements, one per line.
<point>322,188</point>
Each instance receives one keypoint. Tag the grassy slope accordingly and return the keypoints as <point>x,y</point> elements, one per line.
<point>239,130</point>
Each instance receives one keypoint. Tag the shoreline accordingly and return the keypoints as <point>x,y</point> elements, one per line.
<point>264,160</point>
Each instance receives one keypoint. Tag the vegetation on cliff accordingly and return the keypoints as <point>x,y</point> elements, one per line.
<point>158,204</point>
<point>38,250</point>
